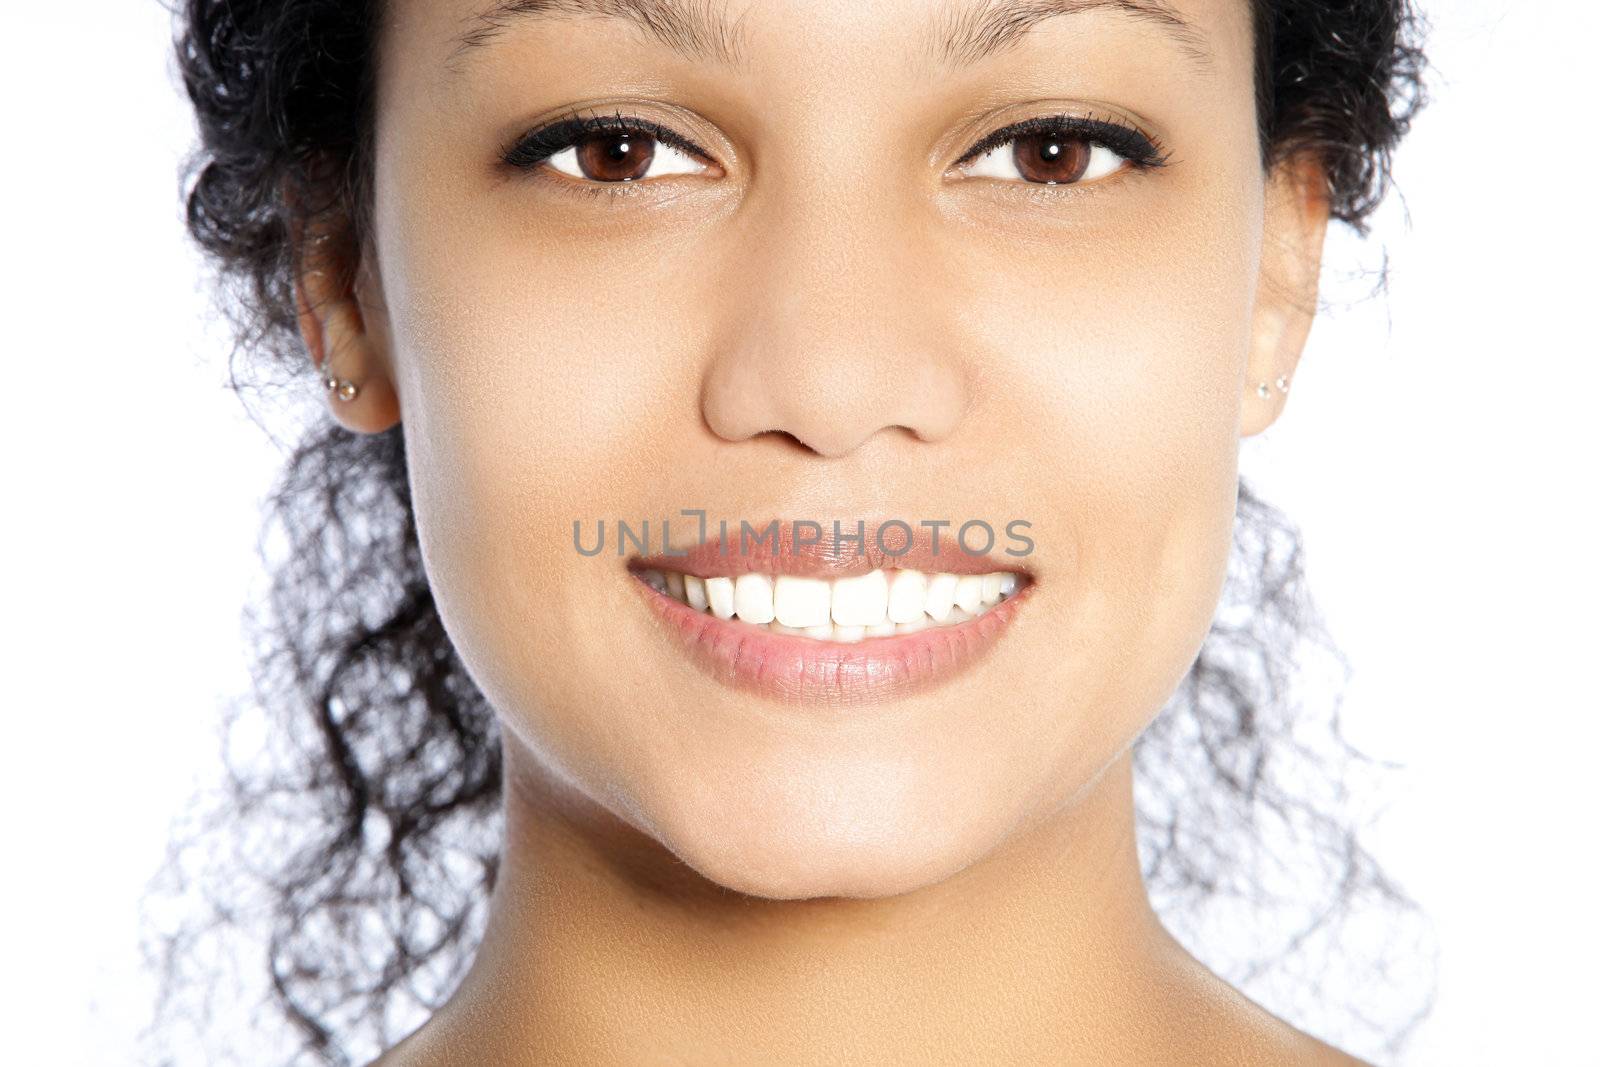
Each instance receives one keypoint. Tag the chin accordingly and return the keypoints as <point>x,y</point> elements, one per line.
<point>820,839</point>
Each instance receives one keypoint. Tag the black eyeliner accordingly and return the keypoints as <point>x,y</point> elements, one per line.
<point>1130,144</point>
<point>535,147</point>
<point>538,145</point>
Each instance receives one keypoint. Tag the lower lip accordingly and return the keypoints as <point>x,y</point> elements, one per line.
<point>808,672</point>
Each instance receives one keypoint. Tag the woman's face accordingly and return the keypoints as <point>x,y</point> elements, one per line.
<point>829,314</point>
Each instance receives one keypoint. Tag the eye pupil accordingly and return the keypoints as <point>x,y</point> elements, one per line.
<point>615,157</point>
<point>1051,159</point>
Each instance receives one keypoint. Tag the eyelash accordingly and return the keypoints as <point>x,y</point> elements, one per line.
<point>534,148</point>
<point>1141,151</point>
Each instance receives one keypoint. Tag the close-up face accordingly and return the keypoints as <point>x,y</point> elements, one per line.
<point>804,281</point>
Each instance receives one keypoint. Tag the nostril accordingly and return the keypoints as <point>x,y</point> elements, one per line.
<point>785,440</point>
<point>827,444</point>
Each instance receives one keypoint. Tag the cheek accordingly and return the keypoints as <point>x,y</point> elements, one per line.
<point>1123,387</point>
<point>532,386</point>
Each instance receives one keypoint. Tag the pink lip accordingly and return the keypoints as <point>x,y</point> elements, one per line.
<point>799,670</point>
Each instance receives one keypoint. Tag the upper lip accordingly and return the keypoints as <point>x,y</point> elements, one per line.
<point>827,558</point>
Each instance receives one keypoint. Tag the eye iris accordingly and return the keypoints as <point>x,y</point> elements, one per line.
<point>615,157</point>
<point>1051,158</point>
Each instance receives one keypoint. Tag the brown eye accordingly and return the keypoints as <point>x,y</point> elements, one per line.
<point>1051,158</point>
<point>609,157</point>
<point>615,157</point>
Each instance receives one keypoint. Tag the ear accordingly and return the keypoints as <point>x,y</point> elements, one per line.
<point>342,318</point>
<point>1295,223</point>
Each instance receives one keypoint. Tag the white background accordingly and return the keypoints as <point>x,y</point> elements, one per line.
<point>1438,451</point>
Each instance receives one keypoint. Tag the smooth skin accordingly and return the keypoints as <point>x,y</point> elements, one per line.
<point>828,321</point>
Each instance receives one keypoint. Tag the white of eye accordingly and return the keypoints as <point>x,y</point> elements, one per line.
<point>566,161</point>
<point>1000,162</point>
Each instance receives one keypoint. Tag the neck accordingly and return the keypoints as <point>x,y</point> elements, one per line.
<point>603,945</point>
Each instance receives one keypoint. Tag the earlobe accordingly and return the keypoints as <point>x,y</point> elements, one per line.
<point>1295,223</point>
<point>352,369</point>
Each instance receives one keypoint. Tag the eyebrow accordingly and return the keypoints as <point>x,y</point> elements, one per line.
<point>966,33</point>
<point>692,28</point>
<point>962,33</point>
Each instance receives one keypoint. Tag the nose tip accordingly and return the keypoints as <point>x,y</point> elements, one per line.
<point>831,404</point>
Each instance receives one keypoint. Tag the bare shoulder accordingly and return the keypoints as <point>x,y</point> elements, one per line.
<point>457,1037</point>
<point>412,1051</point>
<point>396,1056</point>
<point>1212,1022</point>
<point>1317,1053</point>
<point>1253,1037</point>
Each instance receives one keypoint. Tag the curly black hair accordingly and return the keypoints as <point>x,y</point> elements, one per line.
<point>363,823</point>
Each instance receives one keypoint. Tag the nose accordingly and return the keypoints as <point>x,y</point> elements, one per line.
<point>839,326</point>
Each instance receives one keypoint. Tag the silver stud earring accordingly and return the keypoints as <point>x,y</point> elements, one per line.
<point>342,388</point>
<point>1283,383</point>
<point>1263,390</point>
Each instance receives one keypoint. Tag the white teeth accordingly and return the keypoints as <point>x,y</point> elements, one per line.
<point>719,594</point>
<point>969,593</point>
<point>908,596</point>
<point>845,610</point>
<point>801,602</point>
<point>694,590</point>
<point>941,596</point>
<point>861,600</point>
<point>752,598</point>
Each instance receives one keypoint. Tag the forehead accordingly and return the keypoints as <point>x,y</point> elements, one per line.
<point>752,37</point>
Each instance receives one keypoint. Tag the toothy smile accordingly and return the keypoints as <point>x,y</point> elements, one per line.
<point>880,603</point>
<point>817,626</point>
